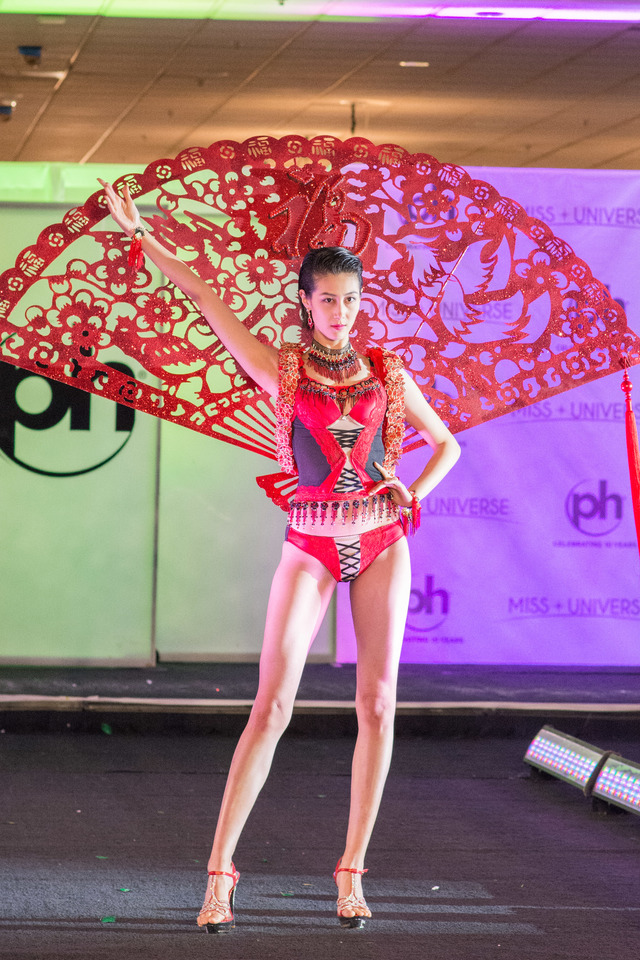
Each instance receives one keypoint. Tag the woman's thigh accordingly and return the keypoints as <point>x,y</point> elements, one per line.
<point>300,593</point>
<point>379,605</point>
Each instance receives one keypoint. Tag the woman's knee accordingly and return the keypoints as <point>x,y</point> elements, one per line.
<point>271,715</point>
<point>376,711</point>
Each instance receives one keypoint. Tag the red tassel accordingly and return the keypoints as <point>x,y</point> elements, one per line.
<point>416,510</point>
<point>136,256</point>
<point>633,449</point>
<point>410,516</point>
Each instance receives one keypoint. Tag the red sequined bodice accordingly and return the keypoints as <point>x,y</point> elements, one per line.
<point>337,434</point>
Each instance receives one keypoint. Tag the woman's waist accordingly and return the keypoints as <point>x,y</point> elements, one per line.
<point>343,514</point>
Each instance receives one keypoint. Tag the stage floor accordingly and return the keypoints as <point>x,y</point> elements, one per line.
<point>215,698</point>
<point>105,840</point>
<point>331,682</point>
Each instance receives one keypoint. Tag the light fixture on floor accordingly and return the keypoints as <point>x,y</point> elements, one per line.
<point>566,758</point>
<point>618,783</point>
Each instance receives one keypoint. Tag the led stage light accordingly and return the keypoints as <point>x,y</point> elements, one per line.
<point>566,758</point>
<point>619,783</point>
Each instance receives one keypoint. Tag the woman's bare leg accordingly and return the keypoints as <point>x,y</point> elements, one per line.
<point>379,604</point>
<point>300,594</point>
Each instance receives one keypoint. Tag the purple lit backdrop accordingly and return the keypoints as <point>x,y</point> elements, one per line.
<point>527,553</point>
<point>580,10</point>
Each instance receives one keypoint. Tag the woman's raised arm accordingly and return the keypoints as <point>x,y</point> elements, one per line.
<point>258,360</point>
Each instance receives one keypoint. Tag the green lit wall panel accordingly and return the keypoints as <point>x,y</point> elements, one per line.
<point>181,9</point>
<point>76,553</point>
<point>76,566</point>
<point>65,183</point>
<point>220,542</point>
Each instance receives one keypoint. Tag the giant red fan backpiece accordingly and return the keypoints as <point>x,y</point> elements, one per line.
<point>488,309</point>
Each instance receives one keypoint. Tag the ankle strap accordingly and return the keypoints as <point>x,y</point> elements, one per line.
<point>224,873</point>
<point>351,870</point>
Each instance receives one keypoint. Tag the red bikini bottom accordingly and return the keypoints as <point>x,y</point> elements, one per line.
<point>347,557</point>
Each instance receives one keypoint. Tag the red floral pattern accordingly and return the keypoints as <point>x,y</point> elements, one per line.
<point>486,308</point>
<point>394,423</point>
<point>289,362</point>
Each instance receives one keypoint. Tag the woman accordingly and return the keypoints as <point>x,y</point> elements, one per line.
<point>340,423</point>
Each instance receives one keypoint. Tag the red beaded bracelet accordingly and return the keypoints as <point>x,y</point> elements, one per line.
<point>136,256</point>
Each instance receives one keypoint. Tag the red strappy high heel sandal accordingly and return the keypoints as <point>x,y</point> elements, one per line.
<point>213,903</point>
<point>351,901</point>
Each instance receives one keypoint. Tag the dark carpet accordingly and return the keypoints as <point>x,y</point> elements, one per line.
<point>105,840</point>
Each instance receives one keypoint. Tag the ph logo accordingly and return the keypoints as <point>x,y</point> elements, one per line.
<point>593,514</point>
<point>428,606</point>
<point>56,430</point>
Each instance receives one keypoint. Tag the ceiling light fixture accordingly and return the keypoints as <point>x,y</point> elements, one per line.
<point>581,11</point>
<point>599,12</point>
<point>37,74</point>
<point>366,102</point>
<point>413,63</point>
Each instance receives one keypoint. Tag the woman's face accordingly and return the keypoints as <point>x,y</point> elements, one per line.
<point>334,305</point>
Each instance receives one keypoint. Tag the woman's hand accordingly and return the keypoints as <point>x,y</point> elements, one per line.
<point>258,359</point>
<point>394,485</point>
<point>122,209</point>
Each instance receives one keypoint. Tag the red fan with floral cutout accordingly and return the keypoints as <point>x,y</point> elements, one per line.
<point>440,251</point>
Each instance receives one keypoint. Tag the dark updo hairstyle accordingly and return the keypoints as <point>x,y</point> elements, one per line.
<point>323,261</point>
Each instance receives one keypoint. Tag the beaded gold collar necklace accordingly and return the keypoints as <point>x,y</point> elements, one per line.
<point>337,365</point>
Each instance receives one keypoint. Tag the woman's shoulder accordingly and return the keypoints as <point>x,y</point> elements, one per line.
<point>386,363</point>
<point>290,359</point>
<point>377,350</point>
<point>290,351</point>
